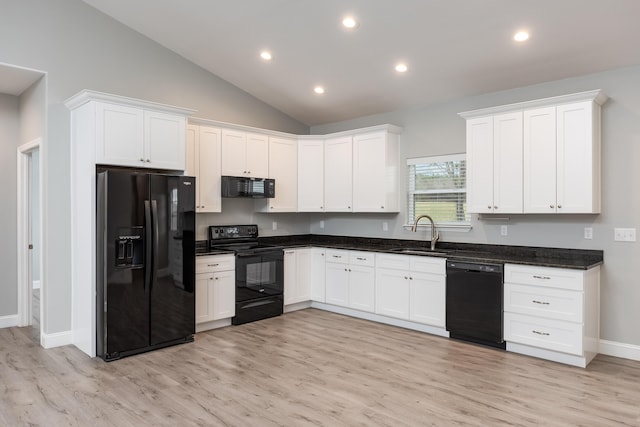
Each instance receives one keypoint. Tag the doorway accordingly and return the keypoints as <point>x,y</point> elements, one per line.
<point>30,289</point>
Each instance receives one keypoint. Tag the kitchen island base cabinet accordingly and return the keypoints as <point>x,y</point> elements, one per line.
<point>552,313</point>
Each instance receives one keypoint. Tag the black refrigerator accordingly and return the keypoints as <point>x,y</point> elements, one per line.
<point>145,267</point>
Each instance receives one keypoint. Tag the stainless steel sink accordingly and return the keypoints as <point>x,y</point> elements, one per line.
<point>418,251</point>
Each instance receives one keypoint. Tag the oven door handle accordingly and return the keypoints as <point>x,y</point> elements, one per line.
<point>247,254</point>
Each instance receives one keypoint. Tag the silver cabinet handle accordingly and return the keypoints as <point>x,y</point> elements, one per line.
<point>540,302</point>
<point>488,207</point>
<point>542,277</point>
<point>288,252</point>
<point>544,334</point>
<point>212,265</point>
<point>337,256</point>
<point>559,206</point>
<point>361,259</point>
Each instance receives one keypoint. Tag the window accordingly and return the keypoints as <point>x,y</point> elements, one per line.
<point>438,188</point>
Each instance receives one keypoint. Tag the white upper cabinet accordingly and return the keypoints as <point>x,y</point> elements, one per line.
<point>203,162</point>
<point>244,154</point>
<point>494,164</point>
<point>559,151</point>
<point>311,175</point>
<point>283,167</point>
<point>375,172</point>
<point>338,174</point>
<point>130,132</point>
<point>562,169</point>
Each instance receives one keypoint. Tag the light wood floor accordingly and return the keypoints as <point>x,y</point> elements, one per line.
<point>310,368</point>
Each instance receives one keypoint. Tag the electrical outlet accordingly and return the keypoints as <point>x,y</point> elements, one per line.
<point>624,234</point>
<point>274,225</point>
<point>385,226</point>
<point>504,230</point>
<point>322,224</point>
<point>588,233</point>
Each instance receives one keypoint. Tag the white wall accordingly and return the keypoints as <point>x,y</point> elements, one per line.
<point>437,129</point>
<point>9,141</point>
<point>81,48</point>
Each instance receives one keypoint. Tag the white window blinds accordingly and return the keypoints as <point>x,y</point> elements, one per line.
<point>437,187</point>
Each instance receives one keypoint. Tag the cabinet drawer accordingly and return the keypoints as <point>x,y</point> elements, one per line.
<point>427,264</point>
<point>392,261</point>
<point>208,264</point>
<point>554,335</point>
<point>544,302</point>
<point>544,276</point>
<point>337,256</point>
<point>362,258</point>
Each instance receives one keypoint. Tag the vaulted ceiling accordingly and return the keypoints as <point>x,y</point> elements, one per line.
<point>452,48</point>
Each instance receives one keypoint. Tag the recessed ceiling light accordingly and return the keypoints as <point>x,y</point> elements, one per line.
<point>401,68</point>
<point>521,36</point>
<point>266,55</point>
<point>319,90</point>
<point>350,22</point>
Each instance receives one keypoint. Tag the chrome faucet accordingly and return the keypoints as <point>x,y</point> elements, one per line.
<point>434,233</point>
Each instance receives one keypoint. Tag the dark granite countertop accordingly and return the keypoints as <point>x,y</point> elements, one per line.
<point>202,249</point>
<point>580,259</point>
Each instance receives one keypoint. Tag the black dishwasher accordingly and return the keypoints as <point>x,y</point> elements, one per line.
<point>475,302</point>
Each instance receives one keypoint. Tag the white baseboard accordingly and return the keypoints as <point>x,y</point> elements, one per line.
<point>58,339</point>
<point>618,349</point>
<point>8,321</point>
<point>36,284</point>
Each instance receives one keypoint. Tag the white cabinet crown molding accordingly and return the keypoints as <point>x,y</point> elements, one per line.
<point>597,96</point>
<point>87,95</point>
<point>208,122</point>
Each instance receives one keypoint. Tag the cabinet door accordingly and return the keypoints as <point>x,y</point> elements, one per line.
<point>204,298</point>
<point>337,284</point>
<point>428,298</point>
<point>578,157</point>
<point>311,176</point>
<point>303,274</point>
<point>392,293</point>
<point>338,179</point>
<point>283,167</point>
<point>507,163</point>
<point>480,165</point>
<point>290,277</point>
<point>234,146</point>
<point>318,274</point>
<point>191,153</point>
<point>224,295</point>
<point>369,172</point>
<point>257,155</point>
<point>361,288</point>
<point>539,174</point>
<point>119,135</point>
<point>164,140</point>
<point>208,178</point>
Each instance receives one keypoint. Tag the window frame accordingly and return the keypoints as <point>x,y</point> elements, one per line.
<point>449,225</point>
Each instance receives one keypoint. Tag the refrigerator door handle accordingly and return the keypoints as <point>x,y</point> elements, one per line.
<point>148,251</point>
<point>154,214</point>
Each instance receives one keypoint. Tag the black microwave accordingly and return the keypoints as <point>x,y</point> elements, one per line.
<point>255,188</point>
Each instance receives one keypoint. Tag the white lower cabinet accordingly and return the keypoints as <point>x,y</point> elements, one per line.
<point>411,288</point>
<point>297,275</point>
<point>350,279</point>
<point>215,288</point>
<point>318,274</point>
<point>552,313</point>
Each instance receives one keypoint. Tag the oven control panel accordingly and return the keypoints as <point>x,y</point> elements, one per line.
<point>227,232</point>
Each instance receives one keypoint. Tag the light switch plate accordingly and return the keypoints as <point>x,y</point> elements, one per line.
<point>624,234</point>
<point>385,226</point>
<point>588,233</point>
<point>322,224</point>
<point>274,225</point>
<point>504,230</point>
